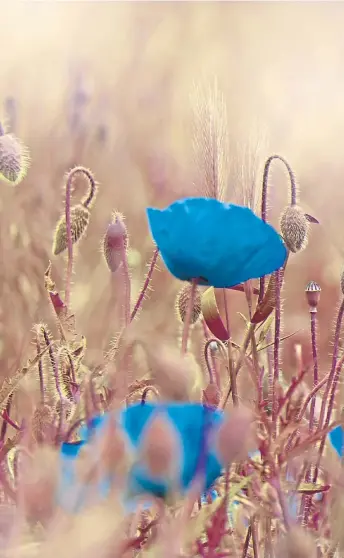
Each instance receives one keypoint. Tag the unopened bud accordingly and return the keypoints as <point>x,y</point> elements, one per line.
<point>183,300</point>
<point>14,159</point>
<point>294,227</point>
<point>115,242</point>
<point>79,219</point>
<point>211,395</point>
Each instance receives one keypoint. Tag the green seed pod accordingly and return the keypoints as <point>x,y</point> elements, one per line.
<point>14,159</point>
<point>182,302</point>
<point>294,227</point>
<point>79,216</point>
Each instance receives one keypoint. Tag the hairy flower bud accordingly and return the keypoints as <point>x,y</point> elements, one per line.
<point>79,216</point>
<point>294,227</point>
<point>115,240</point>
<point>182,303</point>
<point>14,159</point>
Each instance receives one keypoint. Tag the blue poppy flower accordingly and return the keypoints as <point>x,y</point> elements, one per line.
<point>193,423</point>
<point>219,244</point>
<point>336,437</point>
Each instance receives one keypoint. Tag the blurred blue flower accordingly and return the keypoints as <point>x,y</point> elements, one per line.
<point>219,244</point>
<point>193,423</point>
<point>336,437</point>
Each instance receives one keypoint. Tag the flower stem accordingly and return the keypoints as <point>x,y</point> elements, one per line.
<point>146,284</point>
<point>86,203</point>
<point>276,347</point>
<point>293,199</point>
<point>188,315</point>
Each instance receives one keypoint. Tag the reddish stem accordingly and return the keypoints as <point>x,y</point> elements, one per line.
<point>146,284</point>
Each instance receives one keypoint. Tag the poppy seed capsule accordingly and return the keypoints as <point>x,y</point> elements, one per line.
<point>294,227</point>
<point>313,291</point>
<point>182,303</point>
<point>79,218</point>
<point>14,159</point>
<point>115,239</point>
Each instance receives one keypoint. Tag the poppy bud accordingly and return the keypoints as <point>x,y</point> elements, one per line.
<point>115,239</point>
<point>294,227</point>
<point>79,217</point>
<point>14,159</point>
<point>182,303</point>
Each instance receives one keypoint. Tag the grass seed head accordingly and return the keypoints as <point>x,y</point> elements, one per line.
<point>182,303</point>
<point>14,159</point>
<point>294,227</point>
<point>80,217</point>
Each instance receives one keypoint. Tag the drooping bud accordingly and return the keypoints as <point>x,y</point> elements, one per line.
<point>115,240</point>
<point>294,227</point>
<point>14,159</point>
<point>79,217</point>
<point>182,302</point>
<point>313,291</point>
<point>211,395</point>
<point>160,448</point>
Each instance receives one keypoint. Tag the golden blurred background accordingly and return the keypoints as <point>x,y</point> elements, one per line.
<point>108,85</point>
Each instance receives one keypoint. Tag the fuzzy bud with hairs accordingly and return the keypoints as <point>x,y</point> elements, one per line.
<point>182,302</point>
<point>294,228</point>
<point>14,159</point>
<point>114,242</point>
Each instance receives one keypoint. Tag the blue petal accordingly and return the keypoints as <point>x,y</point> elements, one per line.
<point>220,244</point>
<point>336,437</point>
<point>191,422</point>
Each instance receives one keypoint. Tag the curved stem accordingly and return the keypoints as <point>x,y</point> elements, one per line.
<point>222,348</point>
<point>86,203</point>
<point>145,284</point>
<point>293,200</point>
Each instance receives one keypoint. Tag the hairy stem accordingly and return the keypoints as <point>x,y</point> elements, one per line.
<point>188,315</point>
<point>126,283</point>
<point>145,284</point>
<point>232,374</point>
<point>276,346</point>
<point>86,202</point>
<point>334,363</point>
<point>293,200</point>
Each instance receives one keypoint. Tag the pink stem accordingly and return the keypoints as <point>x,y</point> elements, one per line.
<point>145,285</point>
<point>187,322</point>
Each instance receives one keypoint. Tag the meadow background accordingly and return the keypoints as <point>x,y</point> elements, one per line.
<point>107,85</point>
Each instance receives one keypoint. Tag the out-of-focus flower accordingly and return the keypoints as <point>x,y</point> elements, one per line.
<point>219,244</point>
<point>336,437</point>
<point>197,430</point>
